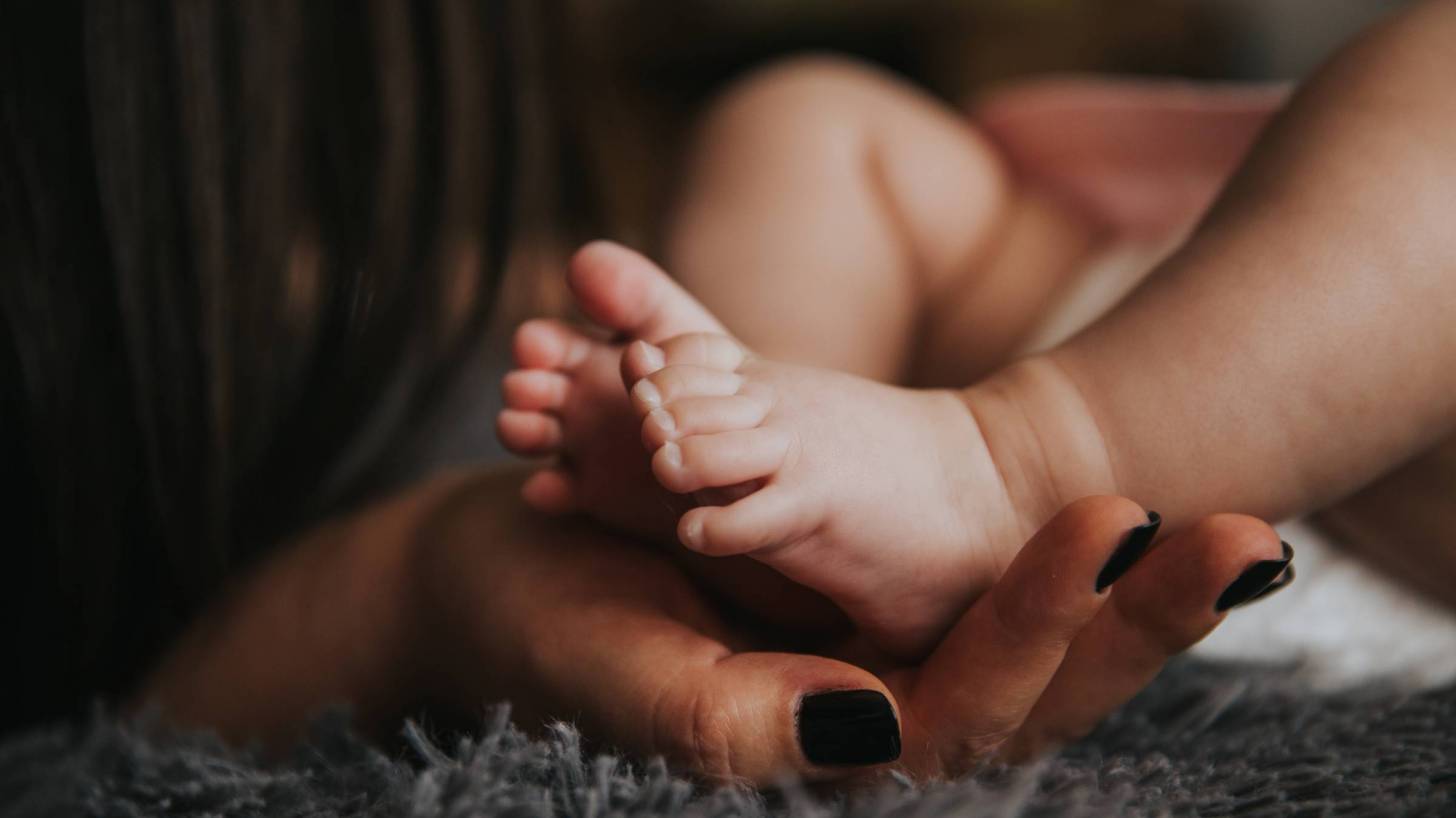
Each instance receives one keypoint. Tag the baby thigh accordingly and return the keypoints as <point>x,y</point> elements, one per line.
<point>827,207</point>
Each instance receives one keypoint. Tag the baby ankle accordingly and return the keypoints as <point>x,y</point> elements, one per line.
<point>1043,437</point>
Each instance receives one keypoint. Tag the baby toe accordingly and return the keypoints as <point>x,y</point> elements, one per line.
<point>703,416</point>
<point>675,383</point>
<point>726,459</point>
<point>623,290</point>
<point>710,349</point>
<point>639,360</point>
<point>552,491</point>
<point>543,343</point>
<point>769,517</point>
<point>528,433</point>
<point>535,389</point>
<point>702,349</point>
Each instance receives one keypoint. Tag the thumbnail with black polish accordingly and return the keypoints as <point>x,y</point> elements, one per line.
<point>1257,581</point>
<point>848,727</point>
<point>1131,550</point>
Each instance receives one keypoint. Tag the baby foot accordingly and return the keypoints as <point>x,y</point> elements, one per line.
<point>883,499</point>
<point>886,500</point>
<point>566,397</point>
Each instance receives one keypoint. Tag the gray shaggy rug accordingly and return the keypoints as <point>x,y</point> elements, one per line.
<point>1203,740</point>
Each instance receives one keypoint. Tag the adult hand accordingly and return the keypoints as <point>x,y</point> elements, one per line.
<point>571,623</point>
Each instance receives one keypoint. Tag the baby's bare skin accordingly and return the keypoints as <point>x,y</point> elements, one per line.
<point>902,557</point>
<point>1302,342</point>
<point>1229,381</point>
<point>886,500</point>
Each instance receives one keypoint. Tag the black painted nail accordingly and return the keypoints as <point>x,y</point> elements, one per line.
<point>1258,581</point>
<point>1131,550</point>
<point>843,727</point>
<point>1276,586</point>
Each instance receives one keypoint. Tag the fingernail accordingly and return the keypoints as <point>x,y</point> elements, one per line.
<point>848,727</point>
<point>652,356</point>
<point>672,455</point>
<point>1258,581</point>
<point>1131,550</point>
<point>647,394</point>
<point>1284,580</point>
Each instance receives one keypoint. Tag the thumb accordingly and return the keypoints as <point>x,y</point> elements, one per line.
<point>571,623</point>
<point>745,716</point>
<point>637,658</point>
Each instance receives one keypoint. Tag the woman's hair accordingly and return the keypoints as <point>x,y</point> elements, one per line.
<point>242,244</point>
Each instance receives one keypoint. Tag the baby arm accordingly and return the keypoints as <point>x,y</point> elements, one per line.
<point>1303,341</point>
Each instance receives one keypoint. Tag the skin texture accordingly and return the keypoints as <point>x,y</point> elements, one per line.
<point>769,210</point>
<point>1304,332</point>
<point>826,523</point>
<point>1234,355</point>
<point>715,420</point>
<point>571,622</point>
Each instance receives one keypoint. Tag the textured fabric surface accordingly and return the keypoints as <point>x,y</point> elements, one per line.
<point>1204,739</point>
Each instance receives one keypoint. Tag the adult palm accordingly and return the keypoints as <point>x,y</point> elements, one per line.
<point>568,622</point>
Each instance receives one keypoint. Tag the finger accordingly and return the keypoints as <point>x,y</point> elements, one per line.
<point>715,461</point>
<point>975,690</point>
<point>1165,604</point>
<point>629,660</point>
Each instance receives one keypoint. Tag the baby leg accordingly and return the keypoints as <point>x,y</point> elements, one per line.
<point>837,217</point>
<point>1301,343</point>
<point>827,206</point>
